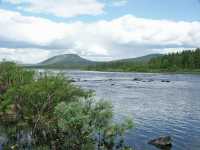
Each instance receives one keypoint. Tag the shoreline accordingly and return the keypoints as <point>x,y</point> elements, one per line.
<point>195,72</point>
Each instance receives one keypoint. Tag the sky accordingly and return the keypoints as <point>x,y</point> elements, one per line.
<point>34,30</point>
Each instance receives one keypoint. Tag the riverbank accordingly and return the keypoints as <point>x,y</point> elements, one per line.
<point>164,71</point>
<point>184,71</point>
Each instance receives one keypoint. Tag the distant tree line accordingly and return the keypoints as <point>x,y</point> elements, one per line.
<point>188,60</point>
<point>175,61</point>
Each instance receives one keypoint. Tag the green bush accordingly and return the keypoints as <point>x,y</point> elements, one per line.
<point>52,113</point>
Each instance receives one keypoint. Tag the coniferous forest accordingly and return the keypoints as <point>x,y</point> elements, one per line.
<point>177,61</point>
<point>186,61</point>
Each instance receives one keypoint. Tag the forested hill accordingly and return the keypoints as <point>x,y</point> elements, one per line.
<point>142,59</point>
<point>131,64</point>
<point>186,61</point>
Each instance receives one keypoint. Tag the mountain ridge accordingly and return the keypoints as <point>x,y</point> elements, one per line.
<point>74,61</point>
<point>143,59</point>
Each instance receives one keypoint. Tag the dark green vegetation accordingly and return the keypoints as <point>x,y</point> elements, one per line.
<point>40,111</point>
<point>138,64</point>
<point>186,61</point>
<point>183,61</point>
<point>143,59</point>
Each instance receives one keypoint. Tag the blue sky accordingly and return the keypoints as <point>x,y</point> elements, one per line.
<point>187,10</point>
<point>33,30</point>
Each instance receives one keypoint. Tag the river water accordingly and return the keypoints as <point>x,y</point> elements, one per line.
<point>160,104</point>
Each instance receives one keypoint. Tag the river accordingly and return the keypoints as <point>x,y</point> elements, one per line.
<point>160,104</point>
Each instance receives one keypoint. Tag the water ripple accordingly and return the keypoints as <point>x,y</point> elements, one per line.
<point>158,108</point>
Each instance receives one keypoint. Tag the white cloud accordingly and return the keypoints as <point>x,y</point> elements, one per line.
<point>127,36</point>
<point>24,55</point>
<point>60,8</point>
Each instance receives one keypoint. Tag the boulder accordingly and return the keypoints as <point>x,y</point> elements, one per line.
<point>164,142</point>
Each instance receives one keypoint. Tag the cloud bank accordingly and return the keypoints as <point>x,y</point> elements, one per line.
<point>126,36</point>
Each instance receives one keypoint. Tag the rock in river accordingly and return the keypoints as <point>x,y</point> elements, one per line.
<point>72,80</point>
<point>165,81</point>
<point>137,79</point>
<point>164,143</point>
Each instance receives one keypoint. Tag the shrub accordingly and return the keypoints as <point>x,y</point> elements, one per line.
<point>52,113</point>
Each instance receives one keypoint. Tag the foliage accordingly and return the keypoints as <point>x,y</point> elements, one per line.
<point>11,75</point>
<point>181,61</point>
<point>176,61</point>
<point>120,66</point>
<point>51,113</point>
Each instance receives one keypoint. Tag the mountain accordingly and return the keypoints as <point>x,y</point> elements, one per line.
<point>73,61</point>
<point>70,61</point>
<point>139,64</point>
<point>142,59</point>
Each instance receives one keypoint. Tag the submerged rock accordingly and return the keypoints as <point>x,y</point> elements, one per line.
<point>72,80</point>
<point>128,87</point>
<point>165,81</point>
<point>164,143</point>
<point>137,79</point>
<point>150,80</point>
